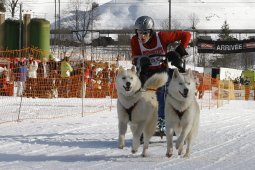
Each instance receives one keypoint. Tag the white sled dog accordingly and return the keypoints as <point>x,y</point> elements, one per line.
<point>137,106</point>
<point>181,112</point>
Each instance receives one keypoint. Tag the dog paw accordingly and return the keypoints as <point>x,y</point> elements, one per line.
<point>180,152</point>
<point>120,147</point>
<point>179,144</point>
<point>133,151</point>
<point>143,155</point>
<point>169,155</point>
<point>186,155</point>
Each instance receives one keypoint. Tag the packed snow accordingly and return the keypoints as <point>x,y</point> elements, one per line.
<point>225,140</point>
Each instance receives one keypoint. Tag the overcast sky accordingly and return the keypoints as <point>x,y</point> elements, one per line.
<point>211,13</point>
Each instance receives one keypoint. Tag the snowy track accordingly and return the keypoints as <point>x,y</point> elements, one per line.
<point>226,140</point>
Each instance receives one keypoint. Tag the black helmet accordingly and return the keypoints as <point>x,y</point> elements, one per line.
<point>144,23</point>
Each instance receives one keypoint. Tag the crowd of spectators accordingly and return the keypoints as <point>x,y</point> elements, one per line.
<point>37,78</point>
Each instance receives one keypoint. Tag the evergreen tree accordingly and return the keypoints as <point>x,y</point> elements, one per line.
<point>225,33</point>
<point>226,60</point>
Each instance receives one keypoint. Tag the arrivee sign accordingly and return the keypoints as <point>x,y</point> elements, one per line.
<point>229,47</point>
<point>225,47</point>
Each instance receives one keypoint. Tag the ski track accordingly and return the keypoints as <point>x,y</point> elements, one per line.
<point>93,145</point>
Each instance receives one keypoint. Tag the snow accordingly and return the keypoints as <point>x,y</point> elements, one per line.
<point>225,140</point>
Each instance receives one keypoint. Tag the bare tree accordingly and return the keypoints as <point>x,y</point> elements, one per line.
<point>12,6</point>
<point>194,20</point>
<point>248,60</point>
<point>82,14</point>
<point>2,7</point>
<point>174,25</point>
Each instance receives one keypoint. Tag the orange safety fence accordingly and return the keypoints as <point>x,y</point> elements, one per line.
<point>100,81</point>
<point>89,79</point>
<point>25,52</point>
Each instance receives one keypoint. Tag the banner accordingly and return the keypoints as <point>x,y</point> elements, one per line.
<point>225,47</point>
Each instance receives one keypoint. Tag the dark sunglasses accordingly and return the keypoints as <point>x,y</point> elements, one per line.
<point>144,32</point>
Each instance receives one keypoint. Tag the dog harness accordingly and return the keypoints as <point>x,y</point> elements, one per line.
<point>129,110</point>
<point>179,113</point>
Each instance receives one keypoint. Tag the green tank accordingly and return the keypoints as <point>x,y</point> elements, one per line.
<point>11,38</point>
<point>40,34</point>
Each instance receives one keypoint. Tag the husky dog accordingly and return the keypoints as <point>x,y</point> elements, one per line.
<point>137,106</point>
<point>181,112</point>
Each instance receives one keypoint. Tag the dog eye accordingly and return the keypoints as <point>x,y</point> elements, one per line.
<point>180,83</point>
<point>188,83</point>
<point>123,78</point>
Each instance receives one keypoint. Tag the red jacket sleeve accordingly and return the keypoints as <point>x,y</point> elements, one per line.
<point>135,48</point>
<point>170,37</point>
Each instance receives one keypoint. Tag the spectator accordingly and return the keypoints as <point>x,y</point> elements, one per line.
<point>53,68</point>
<point>247,88</point>
<point>247,81</point>
<point>4,82</point>
<point>21,77</point>
<point>32,68</point>
<point>65,68</point>
<point>43,68</point>
<point>241,79</point>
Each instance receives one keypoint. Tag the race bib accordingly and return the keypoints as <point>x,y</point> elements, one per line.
<point>156,60</point>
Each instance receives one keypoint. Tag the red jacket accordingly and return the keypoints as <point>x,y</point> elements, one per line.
<point>165,37</point>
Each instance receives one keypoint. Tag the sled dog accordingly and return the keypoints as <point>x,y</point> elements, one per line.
<point>137,106</point>
<point>181,112</point>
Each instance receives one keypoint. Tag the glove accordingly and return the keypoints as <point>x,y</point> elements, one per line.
<point>176,60</point>
<point>181,50</point>
<point>144,62</point>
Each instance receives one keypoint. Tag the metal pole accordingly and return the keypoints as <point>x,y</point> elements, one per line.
<point>58,26</point>
<point>83,81</point>
<point>91,48</point>
<point>169,14</point>
<point>20,27</point>
<point>193,36</point>
<point>55,26</point>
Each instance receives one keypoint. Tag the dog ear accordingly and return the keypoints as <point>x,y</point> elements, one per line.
<point>133,69</point>
<point>121,69</point>
<point>190,73</point>
<point>176,73</point>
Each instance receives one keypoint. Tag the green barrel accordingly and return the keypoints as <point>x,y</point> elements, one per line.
<point>11,38</point>
<point>40,34</point>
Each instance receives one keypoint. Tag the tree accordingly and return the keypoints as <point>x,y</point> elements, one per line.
<point>174,25</point>
<point>2,7</point>
<point>225,60</point>
<point>12,6</point>
<point>83,14</point>
<point>194,20</point>
<point>225,33</point>
<point>248,60</point>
